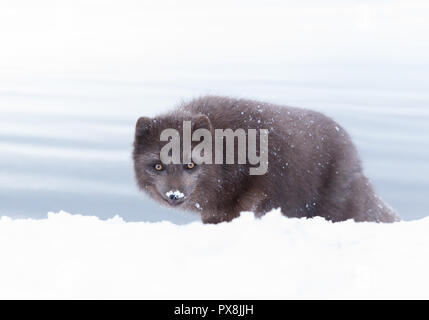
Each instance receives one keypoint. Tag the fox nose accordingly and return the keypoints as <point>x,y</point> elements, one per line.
<point>175,197</point>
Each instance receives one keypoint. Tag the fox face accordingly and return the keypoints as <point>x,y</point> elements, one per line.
<point>171,184</point>
<point>174,185</point>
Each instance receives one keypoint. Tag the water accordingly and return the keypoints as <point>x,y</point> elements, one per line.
<point>68,107</point>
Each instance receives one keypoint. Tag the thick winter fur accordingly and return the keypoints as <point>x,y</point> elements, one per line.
<point>314,169</point>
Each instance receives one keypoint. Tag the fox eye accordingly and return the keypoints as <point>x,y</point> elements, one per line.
<point>190,165</point>
<point>158,167</point>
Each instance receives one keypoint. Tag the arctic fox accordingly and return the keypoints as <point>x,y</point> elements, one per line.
<point>312,167</point>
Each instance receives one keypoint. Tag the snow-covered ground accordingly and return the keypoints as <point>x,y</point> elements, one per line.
<point>73,256</point>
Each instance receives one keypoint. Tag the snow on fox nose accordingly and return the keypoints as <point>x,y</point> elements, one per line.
<point>174,195</point>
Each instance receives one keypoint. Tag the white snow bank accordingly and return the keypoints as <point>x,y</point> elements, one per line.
<point>72,256</point>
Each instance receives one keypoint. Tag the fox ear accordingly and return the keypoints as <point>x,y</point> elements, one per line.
<point>201,121</point>
<point>143,126</point>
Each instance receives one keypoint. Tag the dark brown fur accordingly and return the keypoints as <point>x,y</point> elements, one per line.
<point>313,170</point>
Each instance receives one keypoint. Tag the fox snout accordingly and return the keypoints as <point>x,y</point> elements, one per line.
<point>174,197</point>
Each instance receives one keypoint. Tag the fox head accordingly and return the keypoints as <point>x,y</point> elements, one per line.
<point>174,185</point>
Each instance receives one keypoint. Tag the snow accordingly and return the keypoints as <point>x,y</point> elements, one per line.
<point>74,256</point>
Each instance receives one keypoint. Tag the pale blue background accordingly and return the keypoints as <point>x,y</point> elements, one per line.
<point>75,76</point>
